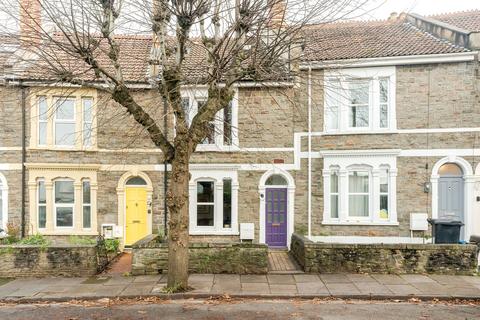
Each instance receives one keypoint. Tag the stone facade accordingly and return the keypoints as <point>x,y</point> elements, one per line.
<point>385,258</point>
<point>151,257</point>
<point>432,96</point>
<point>17,261</point>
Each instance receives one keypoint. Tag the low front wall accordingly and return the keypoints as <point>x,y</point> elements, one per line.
<point>37,261</point>
<point>384,258</point>
<point>236,258</point>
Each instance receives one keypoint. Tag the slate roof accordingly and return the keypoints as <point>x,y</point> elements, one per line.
<point>468,20</point>
<point>371,39</point>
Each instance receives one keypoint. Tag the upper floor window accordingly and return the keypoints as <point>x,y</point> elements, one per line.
<point>360,100</point>
<point>63,121</point>
<point>222,132</point>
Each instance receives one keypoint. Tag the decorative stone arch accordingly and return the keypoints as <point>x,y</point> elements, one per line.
<point>121,198</point>
<point>290,200</point>
<point>469,180</point>
<point>4,195</point>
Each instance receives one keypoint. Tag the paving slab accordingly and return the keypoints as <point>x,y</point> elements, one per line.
<point>449,279</point>
<point>300,278</point>
<point>335,278</point>
<point>417,278</point>
<point>119,280</point>
<point>312,288</point>
<point>226,278</point>
<point>139,288</point>
<point>342,289</point>
<point>434,288</point>
<point>147,278</point>
<point>403,289</point>
<point>361,278</point>
<point>200,277</point>
<point>389,279</point>
<point>372,288</point>
<point>281,279</point>
<point>283,289</point>
<point>253,278</point>
<point>255,288</point>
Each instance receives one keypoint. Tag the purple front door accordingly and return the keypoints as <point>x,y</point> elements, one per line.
<point>276,217</point>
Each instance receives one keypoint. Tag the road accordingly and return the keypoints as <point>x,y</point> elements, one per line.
<point>241,310</point>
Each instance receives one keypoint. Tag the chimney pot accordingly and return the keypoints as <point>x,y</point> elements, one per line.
<point>393,16</point>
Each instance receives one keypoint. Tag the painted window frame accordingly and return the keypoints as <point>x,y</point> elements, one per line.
<point>194,96</point>
<point>39,204</point>
<point>217,177</point>
<point>336,96</point>
<point>345,162</point>
<point>56,101</point>
<point>63,205</point>
<point>51,173</point>
<point>50,96</point>
<point>86,204</point>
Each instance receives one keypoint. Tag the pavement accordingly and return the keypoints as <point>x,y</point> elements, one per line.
<point>242,309</point>
<point>351,286</point>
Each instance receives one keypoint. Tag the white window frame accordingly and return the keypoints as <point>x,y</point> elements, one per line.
<point>199,94</point>
<point>369,194</point>
<point>41,204</point>
<point>42,121</point>
<point>64,205</point>
<point>217,177</point>
<point>4,191</point>
<point>373,161</point>
<point>85,122</point>
<point>89,205</point>
<point>336,84</point>
<point>56,121</point>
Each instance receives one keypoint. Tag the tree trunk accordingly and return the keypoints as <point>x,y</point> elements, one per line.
<point>177,200</point>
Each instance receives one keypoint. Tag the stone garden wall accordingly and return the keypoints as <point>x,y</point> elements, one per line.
<point>37,261</point>
<point>384,258</point>
<point>151,257</point>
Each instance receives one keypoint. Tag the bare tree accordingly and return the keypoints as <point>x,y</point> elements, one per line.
<point>237,40</point>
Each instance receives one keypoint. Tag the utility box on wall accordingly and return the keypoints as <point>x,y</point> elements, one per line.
<point>418,222</point>
<point>247,231</point>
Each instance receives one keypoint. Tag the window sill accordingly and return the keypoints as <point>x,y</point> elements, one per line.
<point>359,223</point>
<point>67,232</point>
<point>215,148</point>
<point>360,132</point>
<point>51,148</point>
<point>214,233</point>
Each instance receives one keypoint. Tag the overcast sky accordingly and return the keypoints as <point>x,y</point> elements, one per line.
<point>423,7</point>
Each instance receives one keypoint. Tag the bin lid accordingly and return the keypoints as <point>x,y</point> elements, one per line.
<point>446,222</point>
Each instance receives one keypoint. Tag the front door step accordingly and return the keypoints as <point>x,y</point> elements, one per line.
<point>280,262</point>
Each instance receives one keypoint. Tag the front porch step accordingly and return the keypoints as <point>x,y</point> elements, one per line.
<point>280,262</point>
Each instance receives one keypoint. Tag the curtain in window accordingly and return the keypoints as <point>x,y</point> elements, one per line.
<point>358,194</point>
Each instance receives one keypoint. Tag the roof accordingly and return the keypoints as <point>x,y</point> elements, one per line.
<point>371,39</point>
<point>468,20</point>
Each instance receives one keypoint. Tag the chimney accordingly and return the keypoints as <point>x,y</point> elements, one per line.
<point>30,22</point>
<point>277,13</point>
<point>393,16</point>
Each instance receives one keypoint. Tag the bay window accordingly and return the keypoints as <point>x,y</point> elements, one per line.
<point>360,187</point>
<point>63,199</point>
<point>359,100</point>
<point>213,203</point>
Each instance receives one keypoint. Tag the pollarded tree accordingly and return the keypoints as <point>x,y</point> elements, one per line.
<point>234,41</point>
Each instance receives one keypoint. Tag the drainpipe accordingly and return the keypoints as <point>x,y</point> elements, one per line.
<point>165,172</point>
<point>309,152</point>
<point>24,157</point>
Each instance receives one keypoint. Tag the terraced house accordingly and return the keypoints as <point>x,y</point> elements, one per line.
<point>379,130</point>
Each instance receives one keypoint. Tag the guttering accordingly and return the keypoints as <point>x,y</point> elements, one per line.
<point>24,157</point>
<point>309,93</point>
<point>391,61</point>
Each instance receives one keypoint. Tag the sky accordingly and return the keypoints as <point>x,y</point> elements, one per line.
<point>423,7</point>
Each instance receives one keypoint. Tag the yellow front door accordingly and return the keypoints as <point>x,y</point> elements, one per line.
<point>136,216</point>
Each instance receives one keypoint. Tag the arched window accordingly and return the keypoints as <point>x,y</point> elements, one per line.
<point>136,181</point>
<point>276,180</point>
<point>450,170</point>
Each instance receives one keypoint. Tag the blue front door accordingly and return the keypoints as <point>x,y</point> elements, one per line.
<point>276,217</point>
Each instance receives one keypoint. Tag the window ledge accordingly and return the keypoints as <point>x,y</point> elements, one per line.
<point>69,232</point>
<point>359,223</point>
<point>62,149</point>
<point>215,148</point>
<point>214,233</point>
<point>360,132</point>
